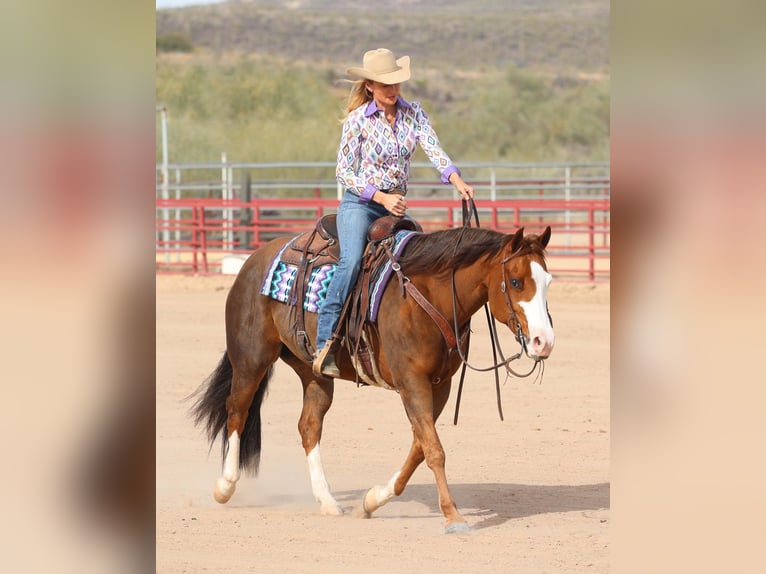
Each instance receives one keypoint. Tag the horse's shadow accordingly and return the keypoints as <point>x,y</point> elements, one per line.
<point>494,503</point>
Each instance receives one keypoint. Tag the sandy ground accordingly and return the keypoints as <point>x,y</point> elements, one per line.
<point>535,488</point>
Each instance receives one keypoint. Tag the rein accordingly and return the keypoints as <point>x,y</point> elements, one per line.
<point>494,338</point>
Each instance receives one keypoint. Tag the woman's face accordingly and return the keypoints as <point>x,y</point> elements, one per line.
<point>384,94</point>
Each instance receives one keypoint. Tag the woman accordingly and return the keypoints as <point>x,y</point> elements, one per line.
<point>380,135</point>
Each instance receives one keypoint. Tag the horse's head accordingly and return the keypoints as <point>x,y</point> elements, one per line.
<point>518,287</point>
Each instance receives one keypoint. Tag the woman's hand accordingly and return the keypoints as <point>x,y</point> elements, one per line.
<point>465,190</point>
<point>394,204</point>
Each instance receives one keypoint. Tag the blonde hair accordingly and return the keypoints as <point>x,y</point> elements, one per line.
<point>358,96</point>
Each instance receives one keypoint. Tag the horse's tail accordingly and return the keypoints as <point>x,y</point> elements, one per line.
<point>209,411</point>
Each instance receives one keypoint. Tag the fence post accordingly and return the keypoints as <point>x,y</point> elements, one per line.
<point>203,232</point>
<point>224,197</point>
<point>568,198</point>
<point>255,221</point>
<point>195,237</point>
<point>178,216</point>
<point>230,212</point>
<point>591,242</point>
<point>245,214</point>
<point>165,181</point>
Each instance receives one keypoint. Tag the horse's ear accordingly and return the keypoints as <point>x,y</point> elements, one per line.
<point>545,237</point>
<point>517,239</point>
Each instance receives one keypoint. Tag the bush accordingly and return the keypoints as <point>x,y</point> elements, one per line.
<point>174,42</point>
<point>263,111</point>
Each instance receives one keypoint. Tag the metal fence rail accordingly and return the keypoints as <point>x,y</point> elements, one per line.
<point>202,218</point>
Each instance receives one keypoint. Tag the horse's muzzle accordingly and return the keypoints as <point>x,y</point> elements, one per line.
<point>540,344</point>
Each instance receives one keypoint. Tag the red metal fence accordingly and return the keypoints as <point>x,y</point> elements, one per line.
<point>195,235</point>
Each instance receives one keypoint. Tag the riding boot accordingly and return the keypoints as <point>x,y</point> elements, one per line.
<point>324,362</point>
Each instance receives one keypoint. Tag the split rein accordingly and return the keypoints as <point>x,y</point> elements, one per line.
<point>494,338</point>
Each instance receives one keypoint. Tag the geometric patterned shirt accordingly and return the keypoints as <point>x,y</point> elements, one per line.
<point>373,155</point>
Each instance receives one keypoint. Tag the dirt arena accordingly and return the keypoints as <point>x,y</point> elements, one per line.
<point>535,488</point>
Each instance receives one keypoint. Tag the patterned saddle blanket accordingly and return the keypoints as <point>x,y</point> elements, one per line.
<point>279,281</point>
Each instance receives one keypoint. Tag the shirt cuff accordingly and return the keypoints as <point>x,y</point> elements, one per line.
<point>366,195</point>
<point>448,172</point>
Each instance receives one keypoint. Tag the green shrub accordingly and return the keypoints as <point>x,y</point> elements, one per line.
<point>261,111</point>
<point>174,42</point>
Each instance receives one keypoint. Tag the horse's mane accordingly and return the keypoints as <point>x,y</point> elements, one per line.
<point>435,252</point>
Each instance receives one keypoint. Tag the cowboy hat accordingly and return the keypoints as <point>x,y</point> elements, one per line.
<point>380,66</point>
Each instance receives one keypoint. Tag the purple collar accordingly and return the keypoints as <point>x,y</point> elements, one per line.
<point>372,107</point>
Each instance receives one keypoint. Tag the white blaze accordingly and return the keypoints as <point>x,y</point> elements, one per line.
<point>536,311</point>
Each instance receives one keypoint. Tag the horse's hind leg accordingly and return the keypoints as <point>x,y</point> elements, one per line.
<point>244,386</point>
<point>317,399</point>
<point>378,495</point>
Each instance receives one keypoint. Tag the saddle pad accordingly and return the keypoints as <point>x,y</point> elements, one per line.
<point>379,284</point>
<point>279,280</point>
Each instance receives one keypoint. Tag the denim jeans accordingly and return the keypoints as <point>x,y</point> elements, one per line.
<point>353,220</point>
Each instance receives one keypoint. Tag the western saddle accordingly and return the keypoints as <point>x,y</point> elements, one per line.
<point>319,247</point>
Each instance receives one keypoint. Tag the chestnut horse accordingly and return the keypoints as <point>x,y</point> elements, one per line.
<point>411,352</point>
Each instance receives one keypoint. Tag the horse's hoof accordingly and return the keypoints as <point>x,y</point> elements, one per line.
<point>457,528</point>
<point>223,490</point>
<point>370,501</point>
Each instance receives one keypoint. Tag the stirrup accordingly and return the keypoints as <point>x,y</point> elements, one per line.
<point>324,363</point>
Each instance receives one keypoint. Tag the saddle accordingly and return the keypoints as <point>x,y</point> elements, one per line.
<point>316,247</point>
<point>308,251</point>
<point>319,247</point>
<point>355,329</point>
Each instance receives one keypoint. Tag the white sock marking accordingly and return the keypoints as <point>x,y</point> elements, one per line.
<point>231,464</point>
<point>385,493</point>
<point>319,485</point>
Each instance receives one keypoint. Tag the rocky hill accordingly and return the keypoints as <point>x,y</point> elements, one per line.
<point>561,36</point>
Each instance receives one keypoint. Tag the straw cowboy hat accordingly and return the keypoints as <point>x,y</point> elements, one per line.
<point>381,66</point>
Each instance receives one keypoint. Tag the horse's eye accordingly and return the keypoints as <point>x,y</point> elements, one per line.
<point>515,283</point>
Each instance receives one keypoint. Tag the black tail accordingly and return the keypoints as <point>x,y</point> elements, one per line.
<point>209,411</point>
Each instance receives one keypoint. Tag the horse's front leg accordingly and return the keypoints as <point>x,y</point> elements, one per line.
<point>423,408</point>
<point>425,432</point>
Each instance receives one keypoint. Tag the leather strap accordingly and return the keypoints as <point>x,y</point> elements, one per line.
<point>433,312</point>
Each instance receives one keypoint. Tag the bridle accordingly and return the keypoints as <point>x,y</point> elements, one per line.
<point>494,338</point>
<point>513,317</point>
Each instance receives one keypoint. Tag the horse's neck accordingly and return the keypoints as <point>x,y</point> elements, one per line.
<point>470,291</point>
<point>472,288</point>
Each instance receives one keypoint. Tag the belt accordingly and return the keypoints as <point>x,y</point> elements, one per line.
<point>395,191</point>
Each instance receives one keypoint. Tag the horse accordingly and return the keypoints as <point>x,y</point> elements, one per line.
<point>457,271</point>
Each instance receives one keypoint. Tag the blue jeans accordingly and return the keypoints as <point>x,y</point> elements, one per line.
<point>353,220</point>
